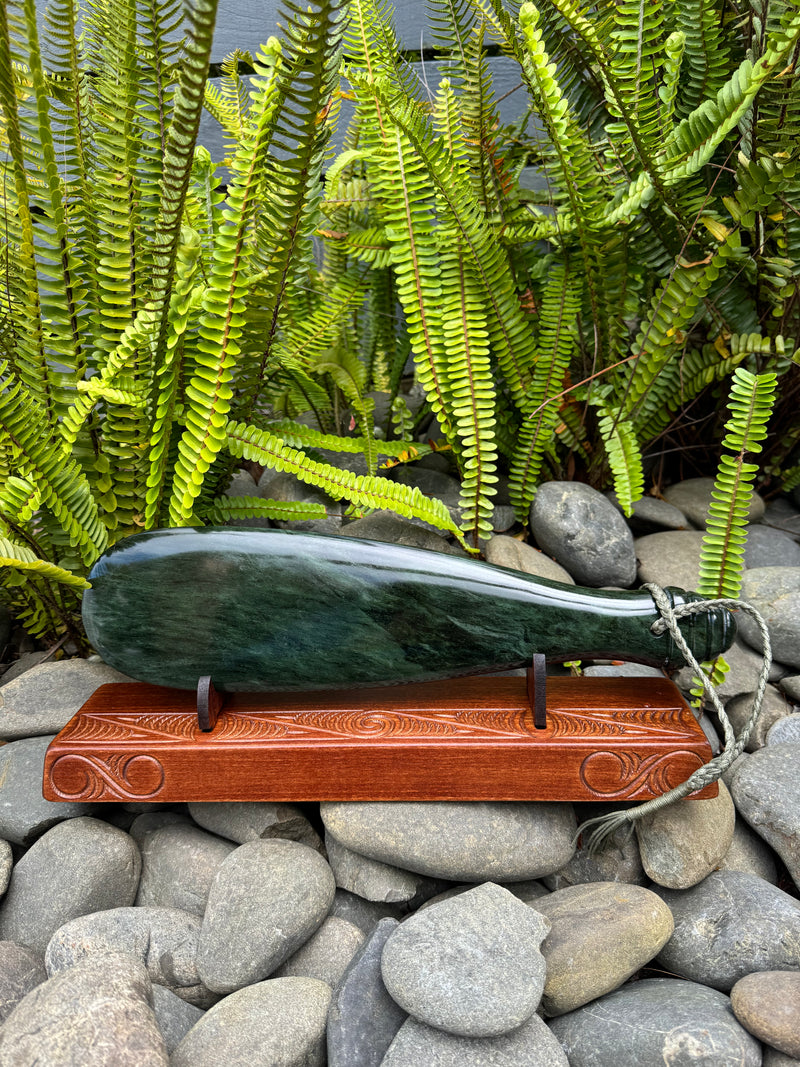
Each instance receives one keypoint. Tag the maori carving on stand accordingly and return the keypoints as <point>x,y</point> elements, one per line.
<point>622,775</point>
<point>126,777</point>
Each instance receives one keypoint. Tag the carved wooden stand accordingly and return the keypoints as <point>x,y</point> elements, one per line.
<point>460,739</point>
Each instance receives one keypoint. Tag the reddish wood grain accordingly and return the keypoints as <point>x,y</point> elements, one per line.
<point>460,739</point>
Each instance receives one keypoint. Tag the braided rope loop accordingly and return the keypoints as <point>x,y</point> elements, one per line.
<point>598,830</point>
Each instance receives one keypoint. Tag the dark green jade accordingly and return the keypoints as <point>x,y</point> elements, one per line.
<point>272,610</point>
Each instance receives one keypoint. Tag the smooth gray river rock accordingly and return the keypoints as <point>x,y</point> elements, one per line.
<point>585,533</point>
<point>175,1017</point>
<point>163,939</point>
<point>469,965</point>
<point>365,914</point>
<point>651,515</point>
<point>374,880</point>
<point>21,970</point>
<point>601,933</point>
<point>249,820</point>
<point>766,790</point>
<point>768,547</point>
<point>326,954</point>
<point>785,730</point>
<point>730,925</point>
<point>502,841</point>
<point>530,1045</point>
<point>617,861</point>
<point>767,1004</point>
<point>279,1023</point>
<point>774,708</point>
<point>45,698</point>
<point>179,865</point>
<point>267,899</point>
<point>775,593</point>
<point>363,1019</point>
<point>750,852</point>
<point>519,556</point>
<point>682,843</point>
<point>79,866</point>
<point>670,558</point>
<point>6,865</point>
<point>96,1014</point>
<point>24,813</point>
<point>655,1023</point>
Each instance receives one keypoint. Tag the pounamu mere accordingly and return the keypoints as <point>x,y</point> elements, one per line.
<point>261,610</point>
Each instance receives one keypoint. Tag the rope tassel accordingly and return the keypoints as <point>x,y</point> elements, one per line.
<point>597,831</point>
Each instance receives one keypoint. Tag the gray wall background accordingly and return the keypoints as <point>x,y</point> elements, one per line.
<point>245,24</point>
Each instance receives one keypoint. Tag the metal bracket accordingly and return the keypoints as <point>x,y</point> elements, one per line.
<point>209,704</point>
<point>537,690</point>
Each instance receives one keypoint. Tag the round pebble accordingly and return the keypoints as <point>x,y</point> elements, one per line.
<point>77,867</point>
<point>617,861</point>
<point>774,708</point>
<point>280,1022</point>
<point>372,879</point>
<point>21,970</point>
<point>749,852</point>
<point>785,730</point>
<point>670,558</point>
<point>462,842</point>
<point>766,790</point>
<point>267,899</point>
<point>469,965</point>
<point>584,532</point>
<point>601,933</point>
<point>729,925</point>
<point>6,865</point>
<point>248,821</point>
<point>175,1017</point>
<point>775,593</point>
<point>24,813</point>
<point>45,698</point>
<point>767,1004</point>
<point>658,1021</point>
<point>95,1014</point>
<point>530,1045</point>
<point>326,954</point>
<point>685,841</point>
<point>179,864</point>
<point>768,547</point>
<point>516,555</point>
<point>363,1018</point>
<point>165,940</point>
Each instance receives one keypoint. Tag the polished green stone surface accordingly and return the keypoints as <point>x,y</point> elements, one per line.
<point>271,610</point>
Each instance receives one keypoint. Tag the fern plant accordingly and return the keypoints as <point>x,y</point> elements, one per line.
<point>156,325</point>
<point>566,331</point>
<point>167,316</point>
<point>751,403</point>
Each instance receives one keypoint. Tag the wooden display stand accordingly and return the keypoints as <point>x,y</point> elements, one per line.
<point>477,738</point>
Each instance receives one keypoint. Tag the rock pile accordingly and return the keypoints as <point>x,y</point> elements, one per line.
<point>418,934</point>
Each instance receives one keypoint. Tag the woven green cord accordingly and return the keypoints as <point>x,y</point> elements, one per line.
<point>605,826</point>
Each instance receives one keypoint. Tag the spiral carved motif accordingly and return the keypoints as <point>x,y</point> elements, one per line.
<point>613,775</point>
<point>121,777</point>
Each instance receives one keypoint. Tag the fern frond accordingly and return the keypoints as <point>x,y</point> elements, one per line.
<point>556,345</point>
<point>722,556</point>
<point>224,508</point>
<point>59,480</point>
<point>365,491</point>
<point>22,559</point>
